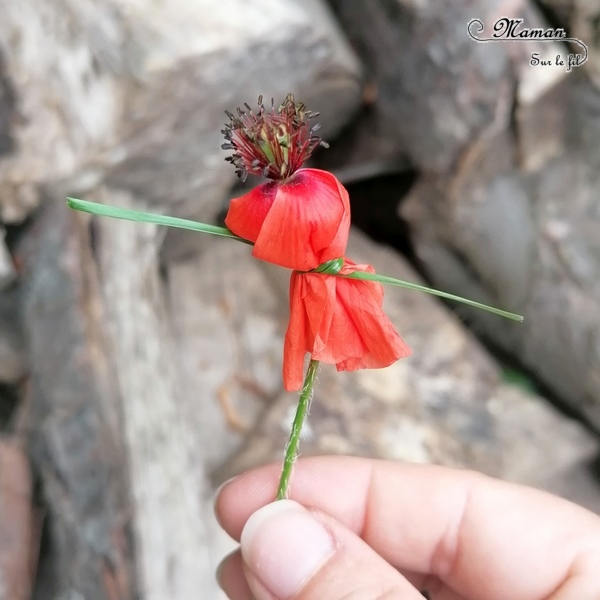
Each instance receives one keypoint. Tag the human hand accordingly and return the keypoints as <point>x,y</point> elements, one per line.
<point>382,530</point>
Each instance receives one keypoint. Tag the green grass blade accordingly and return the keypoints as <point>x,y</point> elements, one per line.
<point>104,210</point>
<point>421,288</point>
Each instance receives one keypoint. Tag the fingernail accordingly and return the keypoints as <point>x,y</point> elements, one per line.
<point>284,545</point>
<point>217,494</point>
<point>224,484</point>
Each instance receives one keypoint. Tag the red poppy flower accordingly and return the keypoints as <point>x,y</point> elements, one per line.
<point>301,218</point>
<point>338,321</point>
<point>298,223</point>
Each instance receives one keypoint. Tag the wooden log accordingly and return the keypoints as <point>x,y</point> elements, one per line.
<point>517,226</point>
<point>438,90</point>
<point>74,420</point>
<point>13,367</point>
<point>172,516</point>
<point>584,25</point>
<point>16,522</point>
<point>121,459</point>
<point>139,89</point>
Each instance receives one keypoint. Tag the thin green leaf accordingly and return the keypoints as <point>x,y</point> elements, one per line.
<point>421,288</point>
<point>104,210</point>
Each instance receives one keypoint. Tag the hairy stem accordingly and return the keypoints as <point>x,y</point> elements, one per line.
<point>291,450</point>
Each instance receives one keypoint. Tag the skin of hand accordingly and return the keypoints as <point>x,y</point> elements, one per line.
<point>360,529</point>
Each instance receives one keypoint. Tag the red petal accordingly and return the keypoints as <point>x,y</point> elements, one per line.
<point>308,222</point>
<point>339,321</point>
<point>311,311</point>
<point>295,345</point>
<point>382,344</point>
<point>363,301</point>
<point>247,213</point>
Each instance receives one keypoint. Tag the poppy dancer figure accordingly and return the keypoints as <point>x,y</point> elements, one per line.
<point>300,219</point>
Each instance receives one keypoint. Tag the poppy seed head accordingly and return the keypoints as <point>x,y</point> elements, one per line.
<point>271,143</point>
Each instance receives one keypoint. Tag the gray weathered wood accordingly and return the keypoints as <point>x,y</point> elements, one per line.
<point>13,362</point>
<point>136,91</point>
<point>17,546</point>
<point>171,512</point>
<point>8,272</point>
<point>584,25</point>
<point>74,423</point>
<point>517,226</point>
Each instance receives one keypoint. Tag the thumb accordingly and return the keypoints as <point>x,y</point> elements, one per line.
<point>292,553</point>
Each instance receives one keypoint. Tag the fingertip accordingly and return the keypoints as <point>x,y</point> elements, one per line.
<point>283,545</point>
<point>292,552</point>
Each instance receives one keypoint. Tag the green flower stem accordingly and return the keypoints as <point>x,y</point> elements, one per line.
<point>330,268</point>
<point>291,449</point>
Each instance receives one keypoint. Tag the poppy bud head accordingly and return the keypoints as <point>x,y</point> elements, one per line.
<point>272,144</point>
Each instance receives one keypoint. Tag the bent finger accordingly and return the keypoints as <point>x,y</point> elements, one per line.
<point>480,536</point>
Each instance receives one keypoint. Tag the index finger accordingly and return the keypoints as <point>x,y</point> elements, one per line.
<point>483,538</point>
